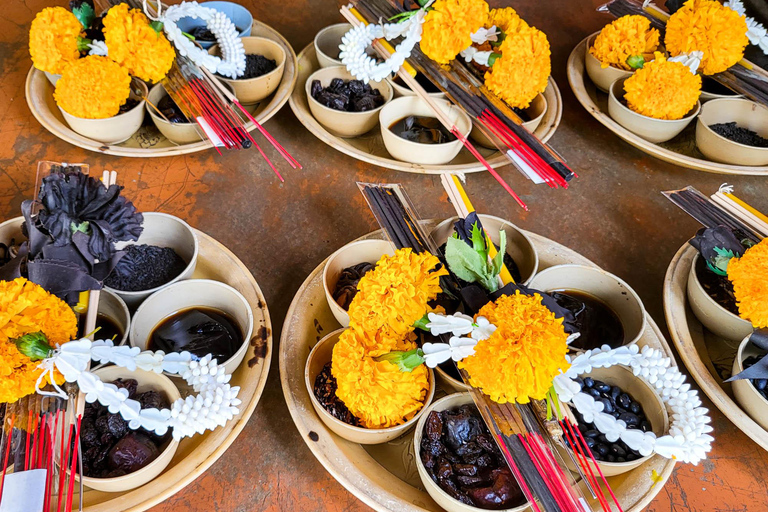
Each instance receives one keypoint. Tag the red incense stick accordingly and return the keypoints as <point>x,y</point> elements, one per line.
<point>600,471</point>
<point>7,453</point>
<point>63,462</point>
<point>584,463</point>
<point>71,489</point>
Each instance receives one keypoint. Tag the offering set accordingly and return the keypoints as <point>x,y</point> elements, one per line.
<point>472,364</point>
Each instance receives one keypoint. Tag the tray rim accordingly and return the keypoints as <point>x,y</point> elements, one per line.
<point>65,133</point>
<point>400,504</point>
<point>577,77</point>
<point>201,464</point>
<point>675,302</point>
<point>305,118</point>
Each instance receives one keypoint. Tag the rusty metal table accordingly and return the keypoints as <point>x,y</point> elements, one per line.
<point>613,214</point>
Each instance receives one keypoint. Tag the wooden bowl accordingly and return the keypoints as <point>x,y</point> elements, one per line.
<point>163,230</point>
<point>147,381</point>
<point>253,90</point>
<point>353,253</point>
<point>610,289</point>
<point>338,122</point>
<point>643,393</point>
<point>746,114</point>
<point>649,128</point>
<point>404,90</point>
<point>111,130</point>
<point>440,496</point>
<point>178,133</point>
<point>327,43</point>
<point>712,315</point>
<point>188,294</point>
<point>535,113</point>
<point>519,245</point>
<point>748,397</point>
<point>602,77</point>
<point>414,152</point>
<point>320,355</point>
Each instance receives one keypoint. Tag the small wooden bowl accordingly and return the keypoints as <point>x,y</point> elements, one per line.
<point>111,130</point>
<point>188,294</point>
<point>53,78</point>
<point>649,128</point>
<point>453,385</point>
<point>351,254</point>
<point>519,245</point>
<point>712,315</point>
<point>748,397</point>
<point>253,90</point>
<point>414,152</point>
<point>327,43</point>
<point>535,113</point>
<point>178,133</point>
<point>338,122</point>
<point>114,308</point>
<point>440,496</point>
<point>641,392</point>
<point>747,114</point>
<point>600,76</point>
<point>147,381</point>
<point>610,289</point>
<point>318,357</point>
<point>403,90</point>
<point>163,230</point>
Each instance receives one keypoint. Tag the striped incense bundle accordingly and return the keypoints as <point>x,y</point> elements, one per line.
<point>494,118</point>
<point>744,77</point>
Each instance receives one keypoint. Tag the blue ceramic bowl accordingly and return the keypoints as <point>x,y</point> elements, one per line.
<point>239,15</point>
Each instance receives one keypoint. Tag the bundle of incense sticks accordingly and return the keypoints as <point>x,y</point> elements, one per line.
<point>39,435</point>
<point>744,77</point>
<point>712,214</point>
<point>527,446</point>
<point>494,118</point>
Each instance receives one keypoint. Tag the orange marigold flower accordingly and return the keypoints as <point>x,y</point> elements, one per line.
<point>506,19</point>
<point>523,70</point>
<point>624,38</point>
<point>662,89</point>
<point>53,39</point>
<point>395,293</point>
<point>448,26</point>
<point>749,275</point>
<point>527,350</point>
<point>133,42</point>
<point>709,27</point>
<point>93,88</point>
<point>25,308</point>
<point>377,393</point>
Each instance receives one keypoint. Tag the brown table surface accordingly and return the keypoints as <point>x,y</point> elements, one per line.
<point>614,214</point>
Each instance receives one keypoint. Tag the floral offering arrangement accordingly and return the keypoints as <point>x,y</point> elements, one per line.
<point>663,89</point>
<point>626,43</point>
<point>52,275</point>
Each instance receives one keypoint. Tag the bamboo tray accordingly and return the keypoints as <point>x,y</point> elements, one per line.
<point>384,476</point>
<point>370,147</point>
<point>148,142</point>
<point>702,352</point>
<point>680,151</point>
<point>198,453</point>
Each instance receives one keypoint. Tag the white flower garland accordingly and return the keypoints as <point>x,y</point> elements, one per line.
<point>355,42</point>
<point>214,405</point>
<point>232,61</point>
<point>688,439</point>
<point>756,33</point>
<point>691,60</point>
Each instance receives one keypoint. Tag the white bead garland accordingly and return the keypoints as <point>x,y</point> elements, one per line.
<point>214,405</point>
<point>688,439</point>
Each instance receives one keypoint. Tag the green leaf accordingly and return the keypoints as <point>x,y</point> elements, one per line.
<point>636,61</point>
<point>719,264</point>
<point>422,322</point>
<point>406,361</point>
<point>500,38</point>
<point>33,345</point>
<point>82,44</point>
<point>157,26</point>
<point>403,16</point>
<point>498,260</point>
<point>464,261</point>
<point>492,59</point>
<point>83,227</point>
<point>478,241</point>
<point>84,14</point>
